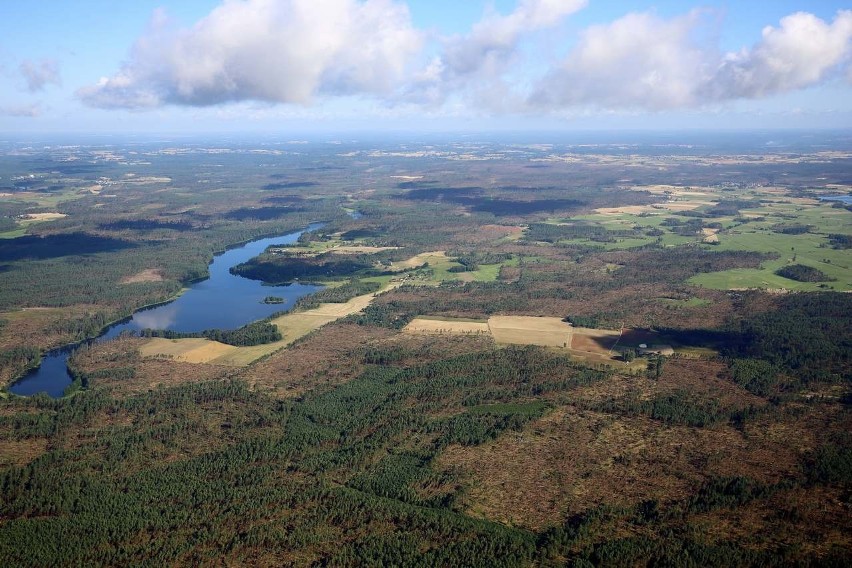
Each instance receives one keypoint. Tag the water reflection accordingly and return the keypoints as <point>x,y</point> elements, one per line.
<point>223,301</point>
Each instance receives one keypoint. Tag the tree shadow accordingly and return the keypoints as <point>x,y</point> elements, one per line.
<point>56,246</point>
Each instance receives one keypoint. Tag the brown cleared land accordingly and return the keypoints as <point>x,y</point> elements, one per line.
<point>37,327</point>
<point>333,355</point>
<point>576,458</point>
<point>434,326</point>
<point>43,216</point>
<point>104,358</point>
<point>21,452</point>
<point>525,330</point>
<point>149,275</point>
<point>419,260</point>
<point>194,350</point>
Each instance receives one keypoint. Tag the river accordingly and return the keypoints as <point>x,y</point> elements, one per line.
<point>223,301</point>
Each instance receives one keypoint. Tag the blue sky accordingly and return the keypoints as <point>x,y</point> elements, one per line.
<point>329,65</point>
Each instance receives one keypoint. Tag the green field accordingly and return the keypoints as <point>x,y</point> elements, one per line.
<point>812,249</point>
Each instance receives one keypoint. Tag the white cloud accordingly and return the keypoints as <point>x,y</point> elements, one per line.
<point>492,41</point>
<point>799,53</point>
<point>39,74</point>
<point>474,64</point>
<point>293,51</point>
<point>638,60</point>
<point>280,51</point>
<point>642,61</point>
<point>25,110</point>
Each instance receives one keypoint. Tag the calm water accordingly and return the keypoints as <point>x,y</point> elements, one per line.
<point>223,301</point>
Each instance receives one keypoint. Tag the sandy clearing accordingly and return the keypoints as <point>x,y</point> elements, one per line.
<point>710,235</point>
<point>419,259</point>
<point>147,275</point>
<point>683,205</point>
<point>407,178</point>
<point>195,350</point>
<point>428,326</point>
<point>630,209</point>
<point>44,216</point>
<point>525,330</point>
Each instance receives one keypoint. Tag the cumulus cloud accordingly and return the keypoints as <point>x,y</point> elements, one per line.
<point>39,74</point>
<point>476,62</point>
<point>646,62</point>
<point>639,59</point>
<point>279,51</point>
<point>492,41</point>
<point>292,51</point>
<point>801,52</point>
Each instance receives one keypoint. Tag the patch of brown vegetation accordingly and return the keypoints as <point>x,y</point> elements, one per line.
<point>149,373</point>
<point>812,519</point>
<point>44,216</point>
<point>35,327</point>
<point>433,326</point>
<point>573,460</point>
<point>148,275</point>
<point>192,350</point>
<point>320,359</point>
<point>21,452</point>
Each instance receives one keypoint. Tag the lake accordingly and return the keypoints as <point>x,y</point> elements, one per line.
<point>223,301</point>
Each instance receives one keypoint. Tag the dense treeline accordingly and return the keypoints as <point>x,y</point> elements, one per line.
<point>791,228</point>
<point>807,334</point>
<point>281,269</point>
<point>15,361</point>
<point>841,242</point>
<point>255,333</point>
<point>677,407</point>
<point>803,273</point>
<point>550,233</point>
<point>337,294</point>
<point>677,264</point>
<point>514,201</point>
<point>471,260</point>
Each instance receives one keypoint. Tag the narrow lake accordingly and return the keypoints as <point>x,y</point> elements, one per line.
<point>223,301</point>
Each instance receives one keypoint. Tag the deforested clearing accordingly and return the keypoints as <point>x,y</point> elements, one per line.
<point>525,330</point>
<point>148,275</point>
<point>432,326</point>
<point>186,350</point>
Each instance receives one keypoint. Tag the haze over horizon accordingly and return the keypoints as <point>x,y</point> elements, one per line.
<point>390,65</point>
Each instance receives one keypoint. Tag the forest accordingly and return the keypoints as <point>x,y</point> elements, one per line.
<point>698,414</point>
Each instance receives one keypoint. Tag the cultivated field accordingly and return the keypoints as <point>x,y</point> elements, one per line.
<point>523,330</point>
<point>432,258</point>
<point>194,350</point>
<point>436,326</point>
